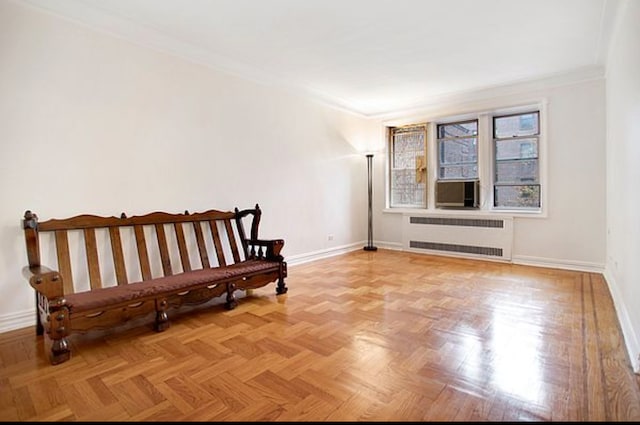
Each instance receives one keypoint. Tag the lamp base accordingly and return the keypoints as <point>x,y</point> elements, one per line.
<point>370,248</point>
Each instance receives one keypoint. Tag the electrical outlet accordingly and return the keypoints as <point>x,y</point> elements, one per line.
<point>329,237</point>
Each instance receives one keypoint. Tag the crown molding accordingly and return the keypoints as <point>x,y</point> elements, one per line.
<point>589,73</point>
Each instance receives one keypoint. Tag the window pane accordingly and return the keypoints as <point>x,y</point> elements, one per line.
<point>405,190</point>
<point>458,151</point>
<point>408,184</point>
<point>518,171</point>
<point>523,196</point>
<point>462,129</point>
<point>516,125</point>
<point>405,148</point>
<point>469,171</point>
<point>516,149</point>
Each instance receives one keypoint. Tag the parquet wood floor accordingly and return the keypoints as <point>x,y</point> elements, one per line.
<point>365,336</point>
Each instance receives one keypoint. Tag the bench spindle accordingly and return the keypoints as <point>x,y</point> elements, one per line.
<point>164,250</point>
<point>118,256</point>
<point>202,247</point>
<point>182,247</point>
<point>232,241</point>
<point>213,225</point>
<point>93,265</point>
<point>143,256</point>
<point>64,262</point>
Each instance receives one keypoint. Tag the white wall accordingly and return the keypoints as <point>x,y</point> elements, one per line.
<point>90,123</point>
<point>572,233</point>
<point>623,174</point>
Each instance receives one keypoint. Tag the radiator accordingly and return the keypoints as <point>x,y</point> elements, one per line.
<point>487,237</point>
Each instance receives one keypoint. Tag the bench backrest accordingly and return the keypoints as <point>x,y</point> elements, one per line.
<point>93,252</point>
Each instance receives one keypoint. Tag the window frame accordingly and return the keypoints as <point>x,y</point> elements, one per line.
<point>486,156</point>
<point>494,162</point>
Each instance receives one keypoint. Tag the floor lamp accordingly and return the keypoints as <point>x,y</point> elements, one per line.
<point>370,246</point>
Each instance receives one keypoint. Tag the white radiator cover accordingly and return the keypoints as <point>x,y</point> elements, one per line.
<point>487,237</point>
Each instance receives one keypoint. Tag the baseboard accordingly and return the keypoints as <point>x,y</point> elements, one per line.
<point>580,266</point>
<point>524,260</point>
<point>19,320</point>
<point>630,339</point>
<point>295,260</point>
<point>395,246</point>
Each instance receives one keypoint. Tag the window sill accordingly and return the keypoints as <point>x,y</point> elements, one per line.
<point>452,212</point>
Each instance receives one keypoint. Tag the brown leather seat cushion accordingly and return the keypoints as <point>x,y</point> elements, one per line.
<point>105,297</point>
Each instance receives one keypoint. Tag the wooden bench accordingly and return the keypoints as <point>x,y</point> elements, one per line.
<point>109,269</point>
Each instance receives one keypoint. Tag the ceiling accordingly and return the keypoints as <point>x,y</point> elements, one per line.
<point>372,57</point>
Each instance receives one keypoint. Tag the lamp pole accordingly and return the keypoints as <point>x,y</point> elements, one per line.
<point>370,246</point>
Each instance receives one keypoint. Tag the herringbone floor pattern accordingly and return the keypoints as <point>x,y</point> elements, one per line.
<point>365,336</point>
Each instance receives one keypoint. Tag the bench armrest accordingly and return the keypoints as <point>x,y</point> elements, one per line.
<point>44,280</point>
<point>266,248</point>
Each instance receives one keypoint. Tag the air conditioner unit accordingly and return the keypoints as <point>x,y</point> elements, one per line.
<point>458,194</point>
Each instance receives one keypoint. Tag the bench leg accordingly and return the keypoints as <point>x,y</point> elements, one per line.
<point>231,298</point>
<point>162,319</point>
<point>59,351</point>
<point>281,288</point>
<point>39,326</point>
<point>56,342</point>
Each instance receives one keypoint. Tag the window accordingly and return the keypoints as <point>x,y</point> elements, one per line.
<point>458,150</point>
<point>496,155</point>
<point>517,175</point>
<point>408,166</point>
